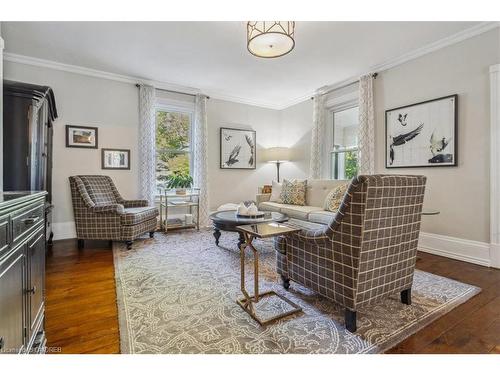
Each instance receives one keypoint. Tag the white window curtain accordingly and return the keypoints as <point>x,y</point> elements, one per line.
<point>147,133</point>
<point>366,135</point>
<point>317,137</point>
<point>200,156</point>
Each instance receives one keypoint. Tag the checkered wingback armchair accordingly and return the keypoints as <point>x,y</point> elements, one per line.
<point>101,213</point>
<point>367,252</point>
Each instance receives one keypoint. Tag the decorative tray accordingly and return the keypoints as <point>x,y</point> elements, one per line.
<point>258,215</point>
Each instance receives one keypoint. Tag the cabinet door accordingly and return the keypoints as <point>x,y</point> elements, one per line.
<point>36,279</point>
<point>12,288</point>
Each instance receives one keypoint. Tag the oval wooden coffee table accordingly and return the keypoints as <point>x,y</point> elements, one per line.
<point>228,221</point>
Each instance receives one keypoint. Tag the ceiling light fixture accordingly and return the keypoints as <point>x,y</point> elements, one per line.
<point>270,39</point>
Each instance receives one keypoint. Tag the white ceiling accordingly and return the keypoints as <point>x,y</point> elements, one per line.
<point>212,56</point>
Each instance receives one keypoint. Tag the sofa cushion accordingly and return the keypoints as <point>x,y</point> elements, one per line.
<point>298,212</point>
<point>321,217</point>
<point>270,206</point>
<point>317,190</point>
<point>335,197</point>
<point>137,215</point>
<point>306,225</point>
<point>294,192</point>
<point>276,192</point>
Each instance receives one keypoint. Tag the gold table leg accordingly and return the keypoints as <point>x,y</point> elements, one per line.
<point>247,303</point>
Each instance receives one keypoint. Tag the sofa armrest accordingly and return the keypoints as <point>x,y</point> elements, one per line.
<point>259,198</point>
<point>108,209</point>
<point>135,203</point>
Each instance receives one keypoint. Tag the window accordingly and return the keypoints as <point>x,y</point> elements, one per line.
<point>344,150</point>
<point>173,143</point>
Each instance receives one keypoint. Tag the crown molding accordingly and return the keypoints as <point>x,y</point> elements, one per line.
<point>76,69</point>
<point>237,99</point>
<point>415,54</point>
<point>437,45</point>
<point>442,43</point>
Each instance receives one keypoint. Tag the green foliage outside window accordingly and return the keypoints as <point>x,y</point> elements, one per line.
<point>172,145</point>
<point>351,164</point>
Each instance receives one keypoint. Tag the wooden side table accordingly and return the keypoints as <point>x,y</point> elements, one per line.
<point>250,232</point>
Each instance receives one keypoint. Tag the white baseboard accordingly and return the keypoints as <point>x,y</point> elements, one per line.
<point>456,248</point>
<point>495,255</point>
<point>64,230</point>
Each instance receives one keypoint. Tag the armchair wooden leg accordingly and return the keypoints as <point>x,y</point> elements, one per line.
<point>152,234</point>
<point>406,296</point>
<point>285,282</point>
<point>350,320</point>
<point>129,244</point>
<point>81,244</point>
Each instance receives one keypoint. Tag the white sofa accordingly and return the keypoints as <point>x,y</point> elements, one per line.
<point>317,190</point>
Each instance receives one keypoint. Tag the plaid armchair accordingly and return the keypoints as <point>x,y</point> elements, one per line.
<point>102,214</point>
<point>369,249</point>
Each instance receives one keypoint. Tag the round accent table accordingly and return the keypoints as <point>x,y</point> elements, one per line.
<point>228,221</point>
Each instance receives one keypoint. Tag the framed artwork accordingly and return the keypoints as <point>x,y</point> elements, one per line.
<point>422,134</point>
<point>237,149</point>
<point>81,136</point>
<point>115,159</point>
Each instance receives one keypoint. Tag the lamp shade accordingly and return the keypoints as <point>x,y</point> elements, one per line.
<point>275,154</point>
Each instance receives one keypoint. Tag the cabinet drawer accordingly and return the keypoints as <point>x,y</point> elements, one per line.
<point>23,220</point>
<point>4,234</point>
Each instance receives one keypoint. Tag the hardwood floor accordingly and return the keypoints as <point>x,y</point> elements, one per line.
<point>81,312</point>
<point>82,317</point>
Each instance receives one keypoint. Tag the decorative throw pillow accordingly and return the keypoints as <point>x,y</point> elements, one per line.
<point>276,192</point>
<point>294,192</point>
<point>335,197</point>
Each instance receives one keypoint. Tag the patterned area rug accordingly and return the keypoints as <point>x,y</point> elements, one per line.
<point>177,292</point>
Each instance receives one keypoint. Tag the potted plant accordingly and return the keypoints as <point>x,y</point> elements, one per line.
<point>180,182</point>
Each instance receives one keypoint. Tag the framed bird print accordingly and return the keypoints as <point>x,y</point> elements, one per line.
<point>237,149</point>
<point>422,134</point>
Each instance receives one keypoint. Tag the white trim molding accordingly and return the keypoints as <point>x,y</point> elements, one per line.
<point>442,43</point>
<point>76,69</point>
<point>455,248</point>
<point>412,55</point>
<point>495,165</point>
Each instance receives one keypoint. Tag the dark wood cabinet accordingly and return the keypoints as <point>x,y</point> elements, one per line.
<point>35,290</point>
<point>22,272</point>
<point>28,114</point>
<point>12,300</point>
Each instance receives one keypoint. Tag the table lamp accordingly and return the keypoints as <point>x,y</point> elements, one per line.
<point>278,155</point>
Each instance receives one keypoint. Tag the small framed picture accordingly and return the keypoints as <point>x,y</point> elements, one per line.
<point>81,136</point>
<point>115,159</point>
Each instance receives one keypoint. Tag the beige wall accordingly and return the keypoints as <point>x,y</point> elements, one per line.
<point>82,100</point>
<point>237,185</point>
<point>296,123</point>
<point>460,193</point>
<point>113,108</point>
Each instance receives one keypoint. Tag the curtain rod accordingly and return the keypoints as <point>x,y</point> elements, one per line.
<point>173,91</point>
<point>374,76</point>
